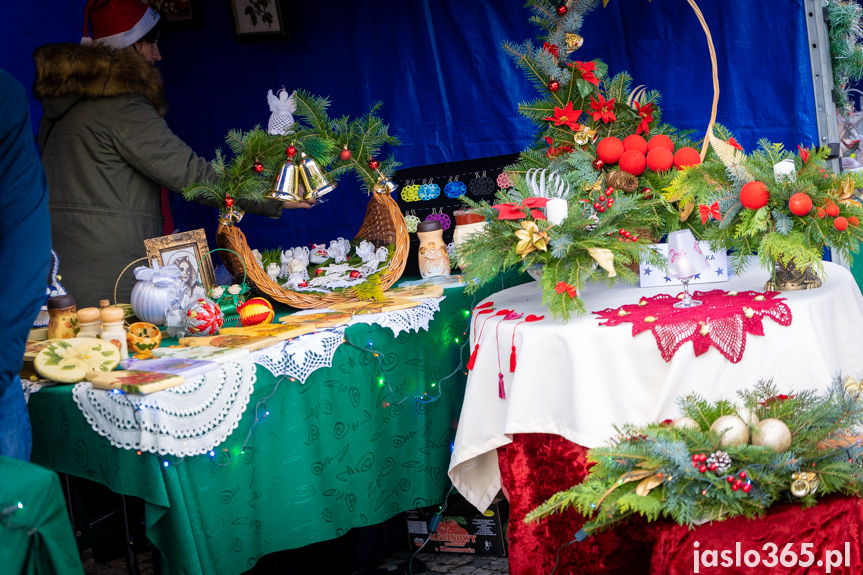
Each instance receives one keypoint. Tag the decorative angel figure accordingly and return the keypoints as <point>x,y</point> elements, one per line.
<point>285,258</point>
<point>273,271</point>
<point>258,258</point>
<point>339,250</point>
<point>281,106</point>
<point>297,272</point>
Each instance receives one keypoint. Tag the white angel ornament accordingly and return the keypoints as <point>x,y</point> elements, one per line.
<point>339,250</point>
<point>281,106</point>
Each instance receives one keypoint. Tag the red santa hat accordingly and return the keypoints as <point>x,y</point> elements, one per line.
<point>117,23</point>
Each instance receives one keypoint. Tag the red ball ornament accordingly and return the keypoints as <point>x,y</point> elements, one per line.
<point>821,213</point>
<point>373,164</point>
<point>853,221</point>
<point>647,193</point>
<point>840,223</point>
<point>735,487</point>
<point>354,274</point>
<point>702,469</point>
<point>259,167</point>
<point>633,162</point>
<point>730,479</point>
<point>686,157</point>
<point>832,210</point>
<point>345,154</point>
<point>229,201</point>
<point>742,475</point>
<point>635,142</point>
<point>659,159</point>
<point>754,195</point>
<point>609,150</point>
<point>291,152</point>
<point>562,10</point>
<point>800,204</point>
<point>598,164</point>
<point>633,239</point>
<point>660,141</point>
<point>554,85</point>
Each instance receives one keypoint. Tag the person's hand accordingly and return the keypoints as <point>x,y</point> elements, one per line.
<point>295,205</point>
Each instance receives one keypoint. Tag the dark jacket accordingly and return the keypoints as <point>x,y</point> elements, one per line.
<point>107,150</point>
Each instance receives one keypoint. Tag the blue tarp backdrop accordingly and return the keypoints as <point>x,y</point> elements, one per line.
<point>448,90</point>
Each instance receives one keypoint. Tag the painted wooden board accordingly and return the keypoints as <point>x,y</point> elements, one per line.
<point>370,307</point>
<point>276,330</point>
<point>205,352</point>
<point>415,292</point>
<point>318,320</point>
<point>250,342</point>
<point>134,381</point>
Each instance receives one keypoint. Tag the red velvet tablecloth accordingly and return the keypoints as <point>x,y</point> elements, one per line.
<point>535,466</point>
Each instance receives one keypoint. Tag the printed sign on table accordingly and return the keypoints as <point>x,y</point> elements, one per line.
<point>651,276</point>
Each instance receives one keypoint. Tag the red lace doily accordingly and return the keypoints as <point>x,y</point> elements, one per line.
<point>722,321</point>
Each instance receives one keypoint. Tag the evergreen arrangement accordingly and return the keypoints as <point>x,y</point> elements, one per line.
<point>846,53</point>
<point>702,466</point>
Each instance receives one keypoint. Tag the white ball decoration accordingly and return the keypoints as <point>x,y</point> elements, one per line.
<point>747,415</point>
<point>733,430</point>
<point>774,434</point>
<point>684,423</point>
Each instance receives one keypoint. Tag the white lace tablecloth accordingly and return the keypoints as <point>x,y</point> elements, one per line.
<point>190,419</point>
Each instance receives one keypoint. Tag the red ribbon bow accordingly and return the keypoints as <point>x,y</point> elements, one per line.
<point>551,49</point>
<point>708,212</point>
<point>562,287</point>
<point>734,144</point>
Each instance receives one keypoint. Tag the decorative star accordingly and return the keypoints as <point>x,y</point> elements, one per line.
<point>667,279</point>
<point>647,271</point>
<point>719,271</point>
<point>696,277</point>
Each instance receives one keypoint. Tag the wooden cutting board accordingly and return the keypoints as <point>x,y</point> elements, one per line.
<point>370,307</point>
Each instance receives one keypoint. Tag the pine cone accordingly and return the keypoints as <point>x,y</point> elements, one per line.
<point>622,181</point>
<point>722,461</point>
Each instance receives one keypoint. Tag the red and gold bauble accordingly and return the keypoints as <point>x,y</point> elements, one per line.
<point>374,164</point>
<point>660,141</point>
<point>204,317</point>
<point>345,154</point>
<point>660,159</point>
<point>840,223</point>
<point>633,162</point>
<point>553,85</point>
<point>255,311</point>
<point>635,142</point>
<point>291,152</point>
<point>686,157</point>
<point>800,204</point>
<point>754,195</point>
<point>609,150</point>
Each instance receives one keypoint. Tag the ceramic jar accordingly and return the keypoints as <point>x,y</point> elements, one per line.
<point>89,320</point>
<point>113,329</point>
<point>433,259</point>
<point>466,223</point>
<point>157,288</point>
<point>62,319</point>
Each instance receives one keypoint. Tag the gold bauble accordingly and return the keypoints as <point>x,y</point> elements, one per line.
<point>684,423</point>
<point>747,415</point>
<point>732,429</point>
<point>774,434</point>
<point>799,488</point>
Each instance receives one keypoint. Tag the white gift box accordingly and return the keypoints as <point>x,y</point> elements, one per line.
<point>650,276</point>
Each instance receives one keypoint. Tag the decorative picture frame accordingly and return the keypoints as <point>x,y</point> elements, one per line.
<point>179,14</point>
<point>259,20</point>
<point>189,252</point>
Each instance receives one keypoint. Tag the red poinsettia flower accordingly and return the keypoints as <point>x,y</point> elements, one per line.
<point>804,153</point>
<point>646,114</point>
<point>603,109</point>
<point>587,69</point>
<point>533,203</point>
<point>777,398</point>
<point>734,144</point>
<point>562,287</point>
<point>554,152</point>
<point>509,211</point>
<point>666,422</point>
<point>551,49</point>
<point>566,116</point>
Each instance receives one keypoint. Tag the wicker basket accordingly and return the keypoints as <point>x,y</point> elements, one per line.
<point>383,225</point>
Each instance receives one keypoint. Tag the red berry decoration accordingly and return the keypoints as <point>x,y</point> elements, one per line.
<point>554,85</point>
<point>633,239</point>
<point>562,10</point>
<point>754,195</point>
<point>730,479</point>
<point>259,167</point>
<point>229,201</point>
<point>735,486</point>
<point>713,467</point>
<point>609,150</point>
<point>660,141</point>
<point>746,488</point>
<point>345,154</point>
<point>702,469</point>
<point>354,274</point>
<point>832,210</point>
<point>291,152</point>
<point>742,475</point>
<point>596,205</point>
<point>686,157</point>
<point>840,223</point>
<point>635,142</point>
<point>373,164</point>
<point>800,204</point>
<point>633,162</point>
<point>659,159</point>
<point>598,164</point>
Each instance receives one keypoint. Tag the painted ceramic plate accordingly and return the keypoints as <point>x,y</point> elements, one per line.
<point>69,360</point>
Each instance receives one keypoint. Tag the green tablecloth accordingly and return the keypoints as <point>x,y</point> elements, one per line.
<point>35,535</point>
<point>328,458</point>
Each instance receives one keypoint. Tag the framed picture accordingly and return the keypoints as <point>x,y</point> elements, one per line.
<point>188,251</point>
<point>259,20</point>
<point>179,14</point>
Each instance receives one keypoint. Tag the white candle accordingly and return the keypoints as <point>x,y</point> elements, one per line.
<point>784,170</point>
<point>556,211</point>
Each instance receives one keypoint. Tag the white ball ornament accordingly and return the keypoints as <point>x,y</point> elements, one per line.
<point>684,423</point>
<point>774,434</point>
<point>733,430</point>
<point>747,415</point>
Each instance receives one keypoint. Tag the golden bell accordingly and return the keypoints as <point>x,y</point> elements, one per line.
<point>384,186</point>
<point>286,185</point>
<point>314,180</point>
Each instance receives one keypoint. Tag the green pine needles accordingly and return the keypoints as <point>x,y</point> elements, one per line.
<point>658,470</point>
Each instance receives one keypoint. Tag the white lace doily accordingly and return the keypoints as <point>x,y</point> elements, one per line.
<point>303,355</point>
<point>415,318</point>
<point>190,419</point>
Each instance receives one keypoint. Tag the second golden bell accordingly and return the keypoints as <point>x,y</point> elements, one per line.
<point>314,179</point>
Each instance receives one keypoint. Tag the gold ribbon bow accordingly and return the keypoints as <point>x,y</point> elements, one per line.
<point>530,238</point>
<point>853,387</point>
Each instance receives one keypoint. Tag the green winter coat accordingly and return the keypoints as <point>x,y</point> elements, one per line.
<point>107,150</point>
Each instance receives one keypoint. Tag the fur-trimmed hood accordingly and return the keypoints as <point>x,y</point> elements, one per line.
<point>66,73</point>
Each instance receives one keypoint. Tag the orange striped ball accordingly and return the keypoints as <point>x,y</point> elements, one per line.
<point>255,311</point>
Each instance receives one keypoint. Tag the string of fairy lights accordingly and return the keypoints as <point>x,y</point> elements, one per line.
<point>223,457</point>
